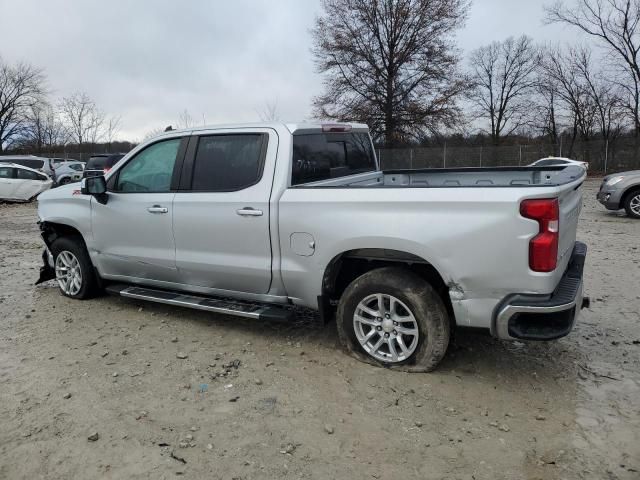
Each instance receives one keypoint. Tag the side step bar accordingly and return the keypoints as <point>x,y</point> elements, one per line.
<point>209,304</point>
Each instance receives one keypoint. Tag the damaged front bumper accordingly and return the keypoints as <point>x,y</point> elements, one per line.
<point>545,317</point>
<point>47,270</point>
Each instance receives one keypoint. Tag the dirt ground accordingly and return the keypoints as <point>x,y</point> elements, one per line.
<point>254,400</point>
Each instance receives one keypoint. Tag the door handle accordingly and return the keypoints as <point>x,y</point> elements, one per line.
<point>157,209</point>
<point>249,212</point>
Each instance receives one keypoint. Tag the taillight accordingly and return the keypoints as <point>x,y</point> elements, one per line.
<point>543,248</point>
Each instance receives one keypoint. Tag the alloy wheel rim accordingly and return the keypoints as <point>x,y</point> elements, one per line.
<point>635,204</point>
<point>68,273</point>
<point>386,328</point>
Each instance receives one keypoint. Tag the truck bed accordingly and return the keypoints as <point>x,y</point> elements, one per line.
<point>459,177</point>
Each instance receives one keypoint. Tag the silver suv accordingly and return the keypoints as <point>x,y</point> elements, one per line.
<point>621,190</point>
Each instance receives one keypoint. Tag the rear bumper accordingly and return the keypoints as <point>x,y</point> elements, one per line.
<point>545,317</point>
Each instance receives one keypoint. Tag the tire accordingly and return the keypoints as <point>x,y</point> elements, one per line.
<point>412,295</point>
<point>632,204</point>
<point>71,253</point>
<point>64,181</point>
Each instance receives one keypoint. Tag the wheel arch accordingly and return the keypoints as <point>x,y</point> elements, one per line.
<point>627,193</point>
<point>349,265</point>
<point>51,231</point>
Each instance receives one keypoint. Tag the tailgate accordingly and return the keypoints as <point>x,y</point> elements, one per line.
<point>570,202</point>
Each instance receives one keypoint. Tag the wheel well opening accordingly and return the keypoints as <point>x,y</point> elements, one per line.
<point>628,193</point>
<point>345,268</point>
<point>52,231</point>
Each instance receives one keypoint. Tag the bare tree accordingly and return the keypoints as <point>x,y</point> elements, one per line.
<point>185,120</point>
<point>111,129</point>
<point>390,63</point>
<point>604,95</point>
<point>83,118</point>
<point>43,128</point>
<point>547,106</point>
<point>616,23</point>
<point>503,77</point>
<point>21,87</point>
<point>269,112</point>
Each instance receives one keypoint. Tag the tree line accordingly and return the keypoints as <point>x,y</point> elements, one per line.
<point>31,121</point>
<point>394,65</point>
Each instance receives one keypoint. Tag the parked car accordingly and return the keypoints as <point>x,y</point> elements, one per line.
<point>101,164</point>
<point>21,183</point>
<point>31,161</point>
<point>68,172</point>
<point>621,190</point>
<point>559,161</point>
<point>250,220</point>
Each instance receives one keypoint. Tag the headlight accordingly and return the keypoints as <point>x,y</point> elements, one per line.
<point>614,180</point>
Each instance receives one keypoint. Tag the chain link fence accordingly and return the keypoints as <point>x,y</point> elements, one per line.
<point>602,156</point>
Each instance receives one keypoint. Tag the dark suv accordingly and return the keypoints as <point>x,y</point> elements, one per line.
<point>101,164</point>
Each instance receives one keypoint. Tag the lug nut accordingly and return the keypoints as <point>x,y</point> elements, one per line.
<point>395,333</point>
<point>379,328</point>
<point>386,335</point>
<point>395,324</point>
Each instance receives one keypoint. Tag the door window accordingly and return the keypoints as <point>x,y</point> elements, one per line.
<point>28,175</point>
<point>150,170</point>
<point>6,172</point>
<point>227,163</point>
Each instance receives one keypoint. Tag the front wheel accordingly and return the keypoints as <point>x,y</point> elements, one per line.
<point>632,204</point>
<point>393,318</point>
<point>74,270</point>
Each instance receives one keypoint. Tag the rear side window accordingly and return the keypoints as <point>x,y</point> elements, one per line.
<point>6,172</point>
<point>28,175</point>
<point>226,163</point>
<point>321,156</point>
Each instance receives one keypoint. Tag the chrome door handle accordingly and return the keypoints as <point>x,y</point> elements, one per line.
<point>157,209</point>
<point>249,212</point>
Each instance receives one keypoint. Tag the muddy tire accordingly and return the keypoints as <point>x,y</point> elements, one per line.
<point>74,271</point>
<point>632,204</point>
<point>392,318</point>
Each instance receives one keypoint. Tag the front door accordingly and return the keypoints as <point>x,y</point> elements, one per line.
<point>221,221</point>
<point>133,231</point>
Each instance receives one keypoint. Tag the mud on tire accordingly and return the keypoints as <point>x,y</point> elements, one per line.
<point>421,299</point>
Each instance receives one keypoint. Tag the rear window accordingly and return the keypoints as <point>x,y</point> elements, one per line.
<point>321,156</point>
<point>27,162</point>
<point>96,163</point>
<point>29,175</point>
<point>112,160</point>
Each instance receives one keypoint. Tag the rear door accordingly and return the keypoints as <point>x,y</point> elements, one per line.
<point>133,232</point>
<point>221,213</point>
<point>28,183</point>
<point>7,182</point>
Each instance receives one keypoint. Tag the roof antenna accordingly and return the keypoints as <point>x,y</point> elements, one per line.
<point>168,129</point>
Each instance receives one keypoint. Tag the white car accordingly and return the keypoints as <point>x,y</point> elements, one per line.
<point>21,183</point>
<point>559,161</point>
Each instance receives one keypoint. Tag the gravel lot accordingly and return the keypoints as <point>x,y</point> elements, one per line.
<point>251,400</point>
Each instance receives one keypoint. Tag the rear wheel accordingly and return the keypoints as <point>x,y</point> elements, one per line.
<point>74,271</point>
<point>64,181</point>
<point>393,318</point>
<point>632,204</point>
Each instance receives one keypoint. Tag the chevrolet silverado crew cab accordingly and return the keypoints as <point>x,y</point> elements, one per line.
<point>255,220</point>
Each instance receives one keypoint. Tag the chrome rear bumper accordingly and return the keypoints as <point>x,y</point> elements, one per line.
<point>545,317</point>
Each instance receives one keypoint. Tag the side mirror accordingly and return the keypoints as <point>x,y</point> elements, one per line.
<point>95,186</point>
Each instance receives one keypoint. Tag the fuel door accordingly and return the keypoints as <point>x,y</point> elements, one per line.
<point>303,244</point>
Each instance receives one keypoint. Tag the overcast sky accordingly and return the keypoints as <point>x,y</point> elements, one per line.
<point>221,60</point>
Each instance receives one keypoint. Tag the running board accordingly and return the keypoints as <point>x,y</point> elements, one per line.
<point>209,304</point>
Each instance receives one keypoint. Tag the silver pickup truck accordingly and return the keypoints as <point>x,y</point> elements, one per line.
<point>253,220</point>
